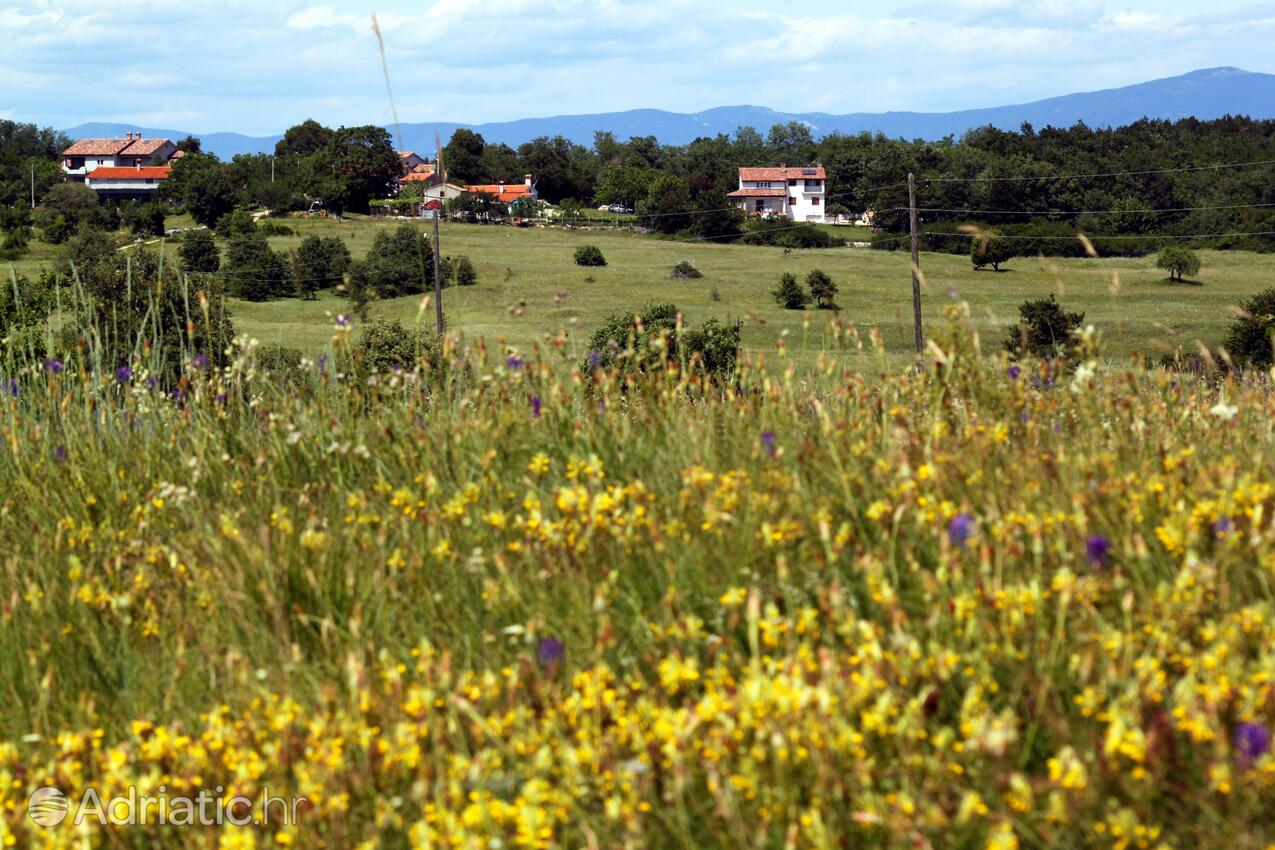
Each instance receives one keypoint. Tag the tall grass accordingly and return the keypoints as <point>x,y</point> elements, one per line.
<point>494,602</point>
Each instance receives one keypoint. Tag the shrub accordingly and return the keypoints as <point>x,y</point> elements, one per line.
<point>273,228</point>
<point>782,233</point>
<point>400,262</point>
<point>319,263</point>
<point>789,293</point>
<point>590,255</point>
<point>1248,340</point>
<point>254,272</point>
<point>685,270</point>
<point>235,223</point>
<point>199,252</point>
<point>15,243</point>
<point>143,219</point>
<point>1044,329</point>
<point>991,251</point>
<point>822,289</point>
<point>465,273</point>
<point>625,340</point>
<point>54,228</point>
<point>1179,262</point>
<point>388,346</point>
<point>278,360</point>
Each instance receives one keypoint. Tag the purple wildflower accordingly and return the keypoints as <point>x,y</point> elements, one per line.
<point>595,358</point>
<point>1223,527</point>
<point>12,386</point>
<point>513,361</point>
<point>199,361</point>
<point>1098,550</point>
<point>960,529</point>
<point>342,321</point>
<point>53,366</point>
<point>535,406</point>
<point>1252,741</point>
<point>151,382</point>
<point>768,442</point>
<point>123,374</point>
<point>550,651</point>
<point>1015,371</point>
<point>59,453</point>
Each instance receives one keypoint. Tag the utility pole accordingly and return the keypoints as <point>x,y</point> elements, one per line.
<point>271,169</point>
<point>438,260</point>
<point>916,263</point>
<point>33,185</point>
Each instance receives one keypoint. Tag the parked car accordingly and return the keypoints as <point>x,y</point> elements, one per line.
<point>619,208</point>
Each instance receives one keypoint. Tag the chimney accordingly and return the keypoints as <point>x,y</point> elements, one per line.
<point>783,165</point>
<point>526,179</point>
<point>129,135</point>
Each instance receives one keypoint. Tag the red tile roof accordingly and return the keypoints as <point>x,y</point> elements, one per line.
<point>758,193</point>
<point>97,147</point>
<point>507,193</point>
<point>153,172</point>
<point>114,147</point>
<point>751,175</point>
<point>419,177</point>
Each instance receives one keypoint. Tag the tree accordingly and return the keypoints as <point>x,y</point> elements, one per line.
<point>199,252</point>
<point>1179,262</point>
<point>465,273</point>
<point>667,205</point>
<point>400,262</point>
<point>320,262</point>
<point>463,156</point>
<point>1248,340</point>
<point>76,203</point>
<point>822,289</point>
<point>191,144</point>
<point>789,293</point>
<point>562,168</point>
<point>235,223</point>
<point>357,165</point>
<point>1044,330</point>
<point>204,186</point>
<point>991,251</point>
<point>253,271</point>
<point>143,219</point>
<point>303,139</point>
<point>624,185</point>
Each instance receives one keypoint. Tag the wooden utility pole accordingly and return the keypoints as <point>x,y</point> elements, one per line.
<point>33,185</point>
<point>916,263</point>
<point>438,260</point>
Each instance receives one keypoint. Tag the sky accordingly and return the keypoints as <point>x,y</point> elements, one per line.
<point>259,66</point>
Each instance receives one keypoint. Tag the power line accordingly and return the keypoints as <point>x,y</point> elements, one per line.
<point>1098,238</point>
<point>1182,170</point>
<point>1087,212</point>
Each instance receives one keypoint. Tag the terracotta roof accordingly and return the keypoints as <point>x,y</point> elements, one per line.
<point>418,177</point>
<point>754,174</point>
<point>144,147</point>
<point>425,168</point>
<point>506,193</point>
<point>97,147</point>
<point>153,172</point>
<point>758,193</point>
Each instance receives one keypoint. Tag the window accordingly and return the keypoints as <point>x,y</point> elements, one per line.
<point>763,184</point>
<point>792,182</point>
<point>792,201</point>
<point>815,201</point>
<point>761,205</point>
<point>814,184</point>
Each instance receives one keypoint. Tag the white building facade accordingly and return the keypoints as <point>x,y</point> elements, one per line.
<point>88,155</point>
<point>798,194</point>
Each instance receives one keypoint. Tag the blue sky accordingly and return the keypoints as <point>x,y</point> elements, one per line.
<point>258,66</point>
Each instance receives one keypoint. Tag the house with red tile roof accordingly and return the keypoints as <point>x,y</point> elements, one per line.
<point>507,193</point>
<point>411,161</point>
<point>798,194</point>
<point>87,156</point>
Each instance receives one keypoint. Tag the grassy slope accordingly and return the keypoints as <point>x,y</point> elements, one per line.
<point>533,267</point>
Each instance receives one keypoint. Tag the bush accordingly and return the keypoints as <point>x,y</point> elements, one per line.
<point>782,233</point>
<point>465,274</point>
<point>15,243</point>
<point>1044,330</point>
<point>199,252</point>
<point>278,360</point>
<point>685,270</point>
<point>991,251</point>
<point>822,289</point>
<point>625,340</point>
<point>143,219</point>
<point>388,346</point>
<point>1178,262</point>
<point>1248,340</point>
<point>789,293</point>
<point>54,228</point>
<point>274,228</point>
<point>319,263</point>
<point>400,262</point>
<point>590,255</point>
<point>76,203</point>
<point>235,223</point>
<point>254,272</point>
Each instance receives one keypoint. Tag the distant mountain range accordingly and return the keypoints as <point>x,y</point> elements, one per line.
<point>1205,94</point>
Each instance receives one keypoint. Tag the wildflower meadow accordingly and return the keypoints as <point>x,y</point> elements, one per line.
<point>509,600</point>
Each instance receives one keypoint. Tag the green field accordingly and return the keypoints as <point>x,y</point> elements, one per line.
<point>529,287</point>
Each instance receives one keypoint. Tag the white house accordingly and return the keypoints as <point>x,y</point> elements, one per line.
<point>798,194</point>
<point>88,155</point>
